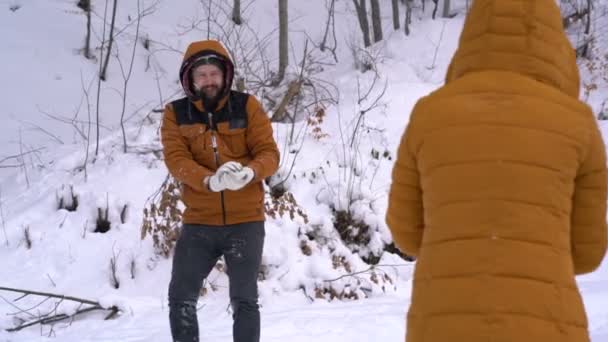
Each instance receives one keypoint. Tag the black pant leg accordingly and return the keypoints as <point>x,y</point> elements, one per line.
<point>196,253</point>
<point>243,253</point>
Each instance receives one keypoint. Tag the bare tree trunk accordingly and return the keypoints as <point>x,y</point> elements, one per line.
<point>236,12</point>
<point>87,43</point>
<point>396,15</point>
<point>331,23</point>
<point>436,2</point>
<point>283,40</point>
<point>98,100</point>
<point>376,21</point>
<point>408,17</point>
<point>209,19</point>
<point>111,41</point>
<point>363,23</point>
<point>330,15</point>
<point>585,51</point>
<point>85,5</point>
<point>446,8</point>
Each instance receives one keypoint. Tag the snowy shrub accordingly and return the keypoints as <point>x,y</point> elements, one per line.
<point>102,224</point>
<point>67,199</point>
<point>354,233</point>
<point>162,217</point>
<point>27,237</point>
<point>315,122</point>
<point>123,214</point>
<point>283,203</point>
<point>114,280</point>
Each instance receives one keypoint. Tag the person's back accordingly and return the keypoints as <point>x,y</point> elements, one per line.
<point>499,188</point>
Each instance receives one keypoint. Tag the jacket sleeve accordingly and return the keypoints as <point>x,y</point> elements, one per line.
<point>260,141</point>
<point>178,157</point>
<point>588,230</point>
<point>405,216</point>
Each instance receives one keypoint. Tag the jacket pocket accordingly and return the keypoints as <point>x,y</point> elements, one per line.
<point>234,141</point>
<point>199,143</point>
<point>194,135</point>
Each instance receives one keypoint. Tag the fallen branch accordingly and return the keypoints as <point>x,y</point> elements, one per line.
<point>52,316</point>
<point>354,274</point>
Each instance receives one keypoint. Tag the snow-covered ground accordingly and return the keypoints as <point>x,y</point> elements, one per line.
<point>43,72</point>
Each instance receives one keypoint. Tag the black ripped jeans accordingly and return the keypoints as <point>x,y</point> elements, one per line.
<point>196,252</point>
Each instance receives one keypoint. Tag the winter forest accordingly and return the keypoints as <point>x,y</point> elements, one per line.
<point>90,215</point>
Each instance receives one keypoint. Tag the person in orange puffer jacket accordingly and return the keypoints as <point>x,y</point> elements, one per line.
<point>499,187</point>
<point>219,144</point>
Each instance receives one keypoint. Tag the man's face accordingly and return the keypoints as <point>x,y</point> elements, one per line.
<point>209,80</point>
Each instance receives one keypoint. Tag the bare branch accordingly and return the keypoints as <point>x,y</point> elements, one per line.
<point>88,136</point>
<point>372,268</point>
<point>103,40</point>
<point>2,218</point>
<point>20,156</point>
<point>46,294</point>
<point>27,179</point>
<point>126,79</point>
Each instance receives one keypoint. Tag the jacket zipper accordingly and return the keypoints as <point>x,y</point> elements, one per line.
<point>217,162</point>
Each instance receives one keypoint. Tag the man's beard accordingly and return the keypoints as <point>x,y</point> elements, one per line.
<point>210,101</point>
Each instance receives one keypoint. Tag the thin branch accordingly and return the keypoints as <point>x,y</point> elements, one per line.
<point>2,218</point>
<point>21,310</point>
<point>27,179</point>
<point>56,318</point>
<point>371,268</point>
<point>46,294</point>
<point>88,137</point>
<point>36,127</point>
<point>20,155</point>
<point>103,40</point>
<point>127,78</point>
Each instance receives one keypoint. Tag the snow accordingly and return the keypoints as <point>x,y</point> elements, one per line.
<point>43,71</point>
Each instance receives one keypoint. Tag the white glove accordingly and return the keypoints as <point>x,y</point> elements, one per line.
<point>220,180</point>
<point>237,180</point>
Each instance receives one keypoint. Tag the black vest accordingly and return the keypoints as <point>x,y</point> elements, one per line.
<point>234,112</point>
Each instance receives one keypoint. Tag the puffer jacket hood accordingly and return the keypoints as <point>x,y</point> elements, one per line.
<point>525,37</point>
<point>199,49</point>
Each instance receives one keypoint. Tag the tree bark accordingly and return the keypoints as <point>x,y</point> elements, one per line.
<point>408,17</point>
<point>87,42</point>
<point>396,15</point>
<point>283,40</point>
<point>110,42</point>
<point>330,15</point>
<point>363,23</point>
<point>376,21</point>
<point>85,5</point>
<point>436,2</point>
<point>236,12</point>
<point>446,8</point>
<point>585,51</point>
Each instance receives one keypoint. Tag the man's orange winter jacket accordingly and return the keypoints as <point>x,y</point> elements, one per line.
<point>499,187</point>
<point>243,133</point>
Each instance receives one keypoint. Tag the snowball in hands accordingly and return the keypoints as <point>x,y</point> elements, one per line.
<point>237,180</point>
<point>220,180</point>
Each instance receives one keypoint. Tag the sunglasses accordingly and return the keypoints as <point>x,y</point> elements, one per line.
<point>207,59</point>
